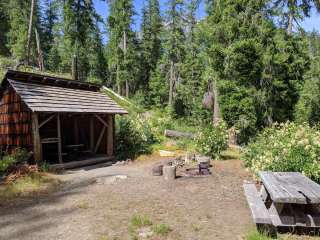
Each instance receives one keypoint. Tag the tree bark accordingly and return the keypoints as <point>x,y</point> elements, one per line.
<point>74,68</point>
<point>125,54</point>
<point>40,53</point>
<point>290,23</point>
<point>30,30</point>
<point>171,83</point>
<point>177,134</point>
<point>216,107</point>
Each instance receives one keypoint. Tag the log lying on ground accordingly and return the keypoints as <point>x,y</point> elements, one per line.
<point>177,134</point>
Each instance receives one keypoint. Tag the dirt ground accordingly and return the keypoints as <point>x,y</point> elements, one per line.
<point>91,206</point>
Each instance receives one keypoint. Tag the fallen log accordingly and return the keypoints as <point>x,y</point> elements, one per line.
<point>177,134</point>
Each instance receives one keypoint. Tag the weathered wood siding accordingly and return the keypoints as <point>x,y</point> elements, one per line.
<point>15,122</point>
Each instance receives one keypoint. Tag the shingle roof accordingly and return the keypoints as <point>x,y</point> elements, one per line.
<point>48,98</point>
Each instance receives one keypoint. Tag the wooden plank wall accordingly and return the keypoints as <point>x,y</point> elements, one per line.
<point>15,123</point>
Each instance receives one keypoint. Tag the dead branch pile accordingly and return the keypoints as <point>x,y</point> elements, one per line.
<point>19,171</point>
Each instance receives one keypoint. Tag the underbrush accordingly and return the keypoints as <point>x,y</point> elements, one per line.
<point>36,182</point>
<point>212,140</point>
<point>285,147</point>
<point>255,235</point>
<point>8,160</point>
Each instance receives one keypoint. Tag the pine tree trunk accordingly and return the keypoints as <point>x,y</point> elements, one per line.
<point>74,68</point>
<point>216,107</point>
<point>125,54</point>
<point>30,31</point>
<point>40,54</point>
<point>290,23</point>
<point>171,83</point>
<point>117,80</point>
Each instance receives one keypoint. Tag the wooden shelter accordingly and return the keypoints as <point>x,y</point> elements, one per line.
<point>63,122</point>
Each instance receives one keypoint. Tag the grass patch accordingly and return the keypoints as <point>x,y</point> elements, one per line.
<point>33,183</point>
<point>161,229</point>
<point>255,235</point>
<point>83,205</point>
<point>138,221</point>
<point>230,153</point>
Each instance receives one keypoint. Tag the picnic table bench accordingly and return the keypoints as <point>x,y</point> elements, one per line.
<point>285,199</point>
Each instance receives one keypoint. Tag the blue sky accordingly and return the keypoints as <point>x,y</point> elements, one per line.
<point>308,24</point>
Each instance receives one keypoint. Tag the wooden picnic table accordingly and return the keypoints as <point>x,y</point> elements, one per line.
<point>290,187</point>
<point>285,199</point>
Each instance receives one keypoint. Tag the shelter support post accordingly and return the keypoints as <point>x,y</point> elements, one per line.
<point>36,138</point>
<point>110,136</point>
<point>92,133</point>
<point>76,130</point>
<point>59,138</point>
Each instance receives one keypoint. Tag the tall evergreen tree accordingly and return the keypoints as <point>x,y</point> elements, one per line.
<point>49,20</point>
<point>168,73</point>
<point>295,10</point>
<point>19,15</point>
<point>122,55</point>
<point>151,40</point>
<point>4,27</point>
<point>308,107</point>
<point>259,69</point>
<point>79,22</point>
<point>192,67</point>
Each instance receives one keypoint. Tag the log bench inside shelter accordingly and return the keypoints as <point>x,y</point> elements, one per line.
<point>286,199</point>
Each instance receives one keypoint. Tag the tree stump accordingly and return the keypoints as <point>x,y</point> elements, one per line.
<point>169,172</point>
<point>157,170</point>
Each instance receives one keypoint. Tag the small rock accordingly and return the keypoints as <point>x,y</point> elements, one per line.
<point>145,232</point>
<point>111,179</point>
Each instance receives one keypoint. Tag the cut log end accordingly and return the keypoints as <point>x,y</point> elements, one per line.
<point>169,172</point>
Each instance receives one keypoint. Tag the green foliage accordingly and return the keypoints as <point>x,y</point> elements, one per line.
<point>255,235</point>
<point>4,27</point>
<point>285,147</point>
<point>18,16</point>
<point>133,137</point>
<point>211,140</point>
<point>258,68</point>
<point>138,221</point>
<point>161,229</point>
<point>122,47</point>
<point>17,156</point>
<point>307,109</point>
<point>151,42</point>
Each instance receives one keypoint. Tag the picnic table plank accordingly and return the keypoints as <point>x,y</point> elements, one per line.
<point>290,187</point>
<point>258,209</point>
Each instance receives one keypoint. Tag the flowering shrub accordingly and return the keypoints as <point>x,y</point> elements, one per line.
<point>211,140</point>
<point>285,147</point>
<point>133,137</point>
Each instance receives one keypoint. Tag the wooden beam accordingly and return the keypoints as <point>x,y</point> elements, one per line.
<point>36,138</point>
<point>99,139</point>
<point>47,120</point>
<point>59,139</point>
<point>101,120</point>
<point>81,163</point>
<point>92,134</point>
<point>110,136</point>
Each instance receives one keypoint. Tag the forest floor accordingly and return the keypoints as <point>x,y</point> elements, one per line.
<point>93,204</point>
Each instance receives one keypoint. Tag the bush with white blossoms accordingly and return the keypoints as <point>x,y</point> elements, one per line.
<point>284,148</point>
<point>212,139</point>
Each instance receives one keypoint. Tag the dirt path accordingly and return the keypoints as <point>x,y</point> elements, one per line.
<point>204,208</point>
